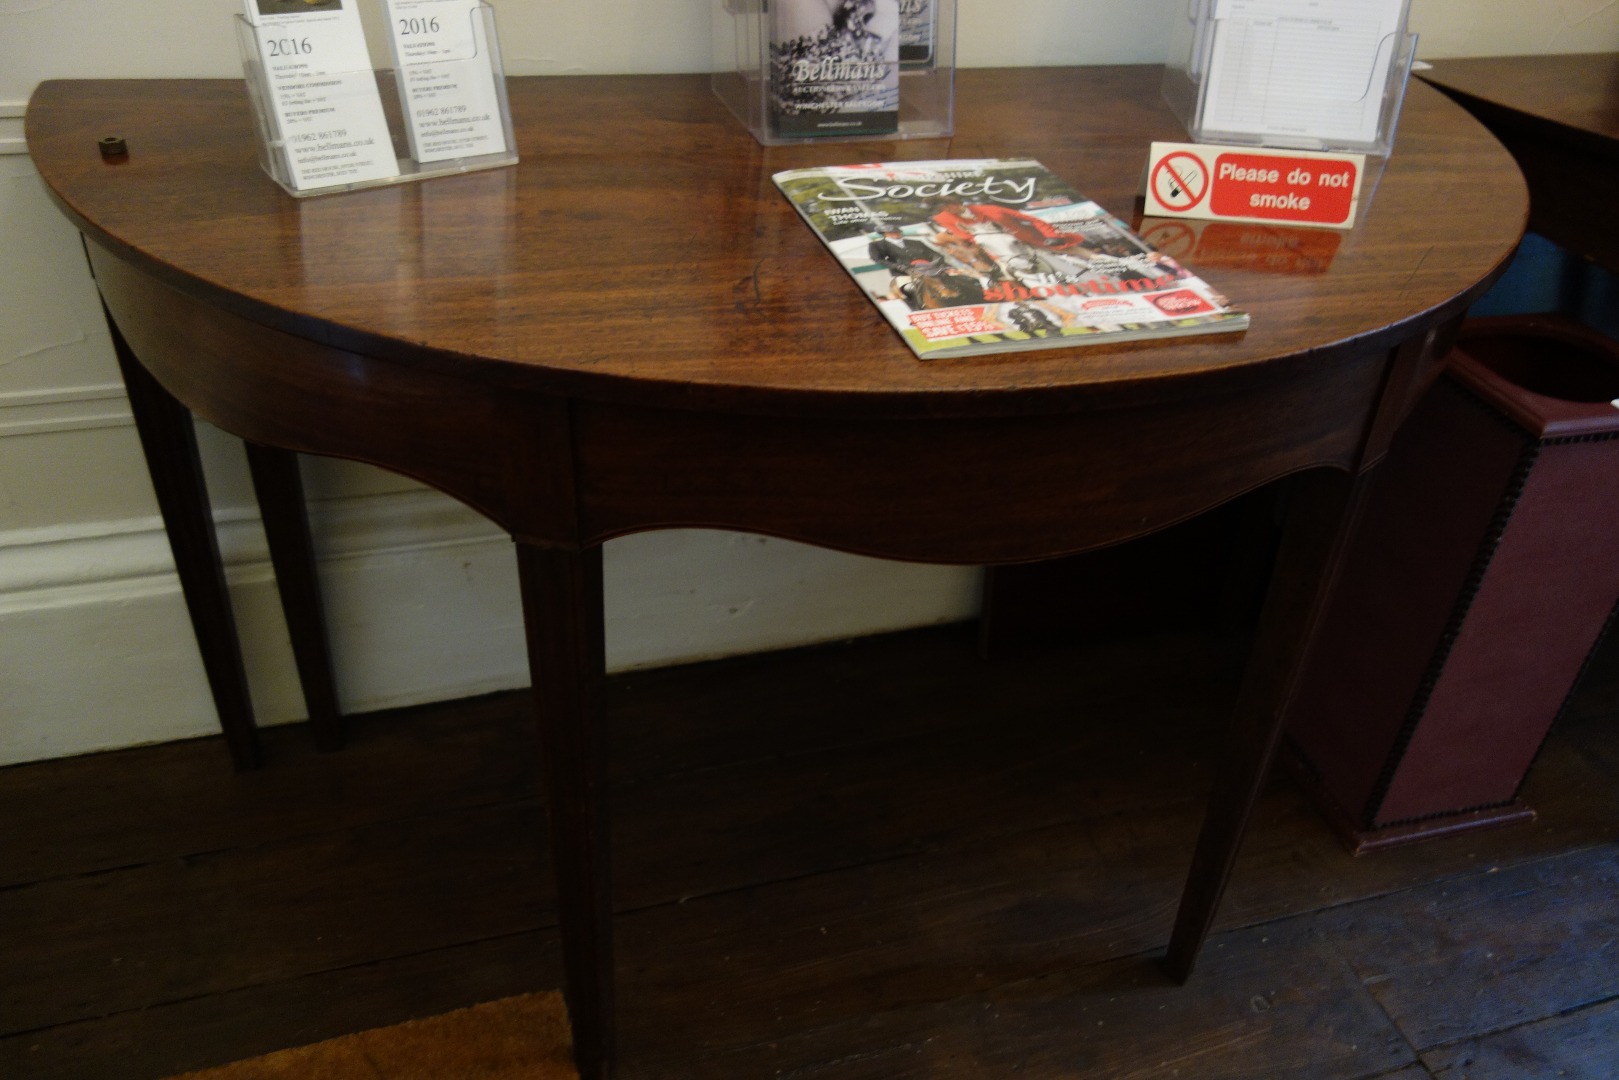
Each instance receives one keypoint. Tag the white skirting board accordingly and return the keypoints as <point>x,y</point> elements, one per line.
<point>422,605</point>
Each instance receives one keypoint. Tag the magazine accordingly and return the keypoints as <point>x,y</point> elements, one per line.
<point>981,256</point>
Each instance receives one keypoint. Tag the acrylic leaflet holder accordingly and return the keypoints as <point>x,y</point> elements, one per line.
<point>799,71</point>
<point>1263,73</point>
<point>328,121</point>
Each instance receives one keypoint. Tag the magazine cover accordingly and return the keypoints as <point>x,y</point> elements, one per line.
<point>834,66</point>
<point>979,256</point>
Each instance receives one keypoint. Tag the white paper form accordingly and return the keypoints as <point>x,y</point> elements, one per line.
<point>1296,71</point>
<point>323,91</point>
<point>447,79</point>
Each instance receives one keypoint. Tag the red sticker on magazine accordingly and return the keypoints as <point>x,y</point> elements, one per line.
<point>1181,303</point>
<point>954,322</point>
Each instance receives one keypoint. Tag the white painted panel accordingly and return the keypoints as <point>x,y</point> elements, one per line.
<point>97,671</point>
<point>192,38</point>
<point>689,594</point>
<point>73,476</point>
<point>51,332</point>
<point>96,652</point>
<point>1022,33</point>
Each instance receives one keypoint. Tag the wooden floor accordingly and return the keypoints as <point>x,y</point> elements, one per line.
<point>879,860</point>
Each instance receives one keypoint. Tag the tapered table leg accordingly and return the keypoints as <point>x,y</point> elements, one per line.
<point>170,442</point>
<point>1320,515</point>
<point>280,491</point>
<point>562,609</point>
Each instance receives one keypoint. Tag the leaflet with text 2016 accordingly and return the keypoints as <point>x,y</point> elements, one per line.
<point>991,255</point>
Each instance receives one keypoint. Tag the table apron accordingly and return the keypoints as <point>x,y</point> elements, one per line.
<point>570,474</point>
<point>287,391</point>
<point>968,491</point>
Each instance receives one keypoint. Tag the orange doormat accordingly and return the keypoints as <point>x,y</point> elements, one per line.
<point>517,1038</point>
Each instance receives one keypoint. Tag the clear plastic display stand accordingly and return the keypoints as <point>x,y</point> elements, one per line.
<point>798,71</point>
<point>476,114</point>
<point>1249,73</point>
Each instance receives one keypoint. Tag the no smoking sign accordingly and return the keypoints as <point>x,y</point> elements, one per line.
<point>1244,183</point>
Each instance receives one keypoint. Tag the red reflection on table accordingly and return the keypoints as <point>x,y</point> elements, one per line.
<point>1241,245</point>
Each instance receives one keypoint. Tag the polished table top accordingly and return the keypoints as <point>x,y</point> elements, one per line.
<point>640,251</point>
<point>1580,92</point>
<point>1559,117</point>
<point>633,330</point>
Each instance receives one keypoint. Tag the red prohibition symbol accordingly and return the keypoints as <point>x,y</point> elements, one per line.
<point>1180,180</point>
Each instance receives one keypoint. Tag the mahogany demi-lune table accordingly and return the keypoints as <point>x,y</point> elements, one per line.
<point>633,330</point>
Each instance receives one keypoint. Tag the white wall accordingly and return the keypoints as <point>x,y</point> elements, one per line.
<point>94,647</point>
<point>1514,27</point>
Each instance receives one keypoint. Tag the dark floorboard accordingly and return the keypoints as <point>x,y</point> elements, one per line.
<point>876,860</point>
<point>1578,1046</point>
